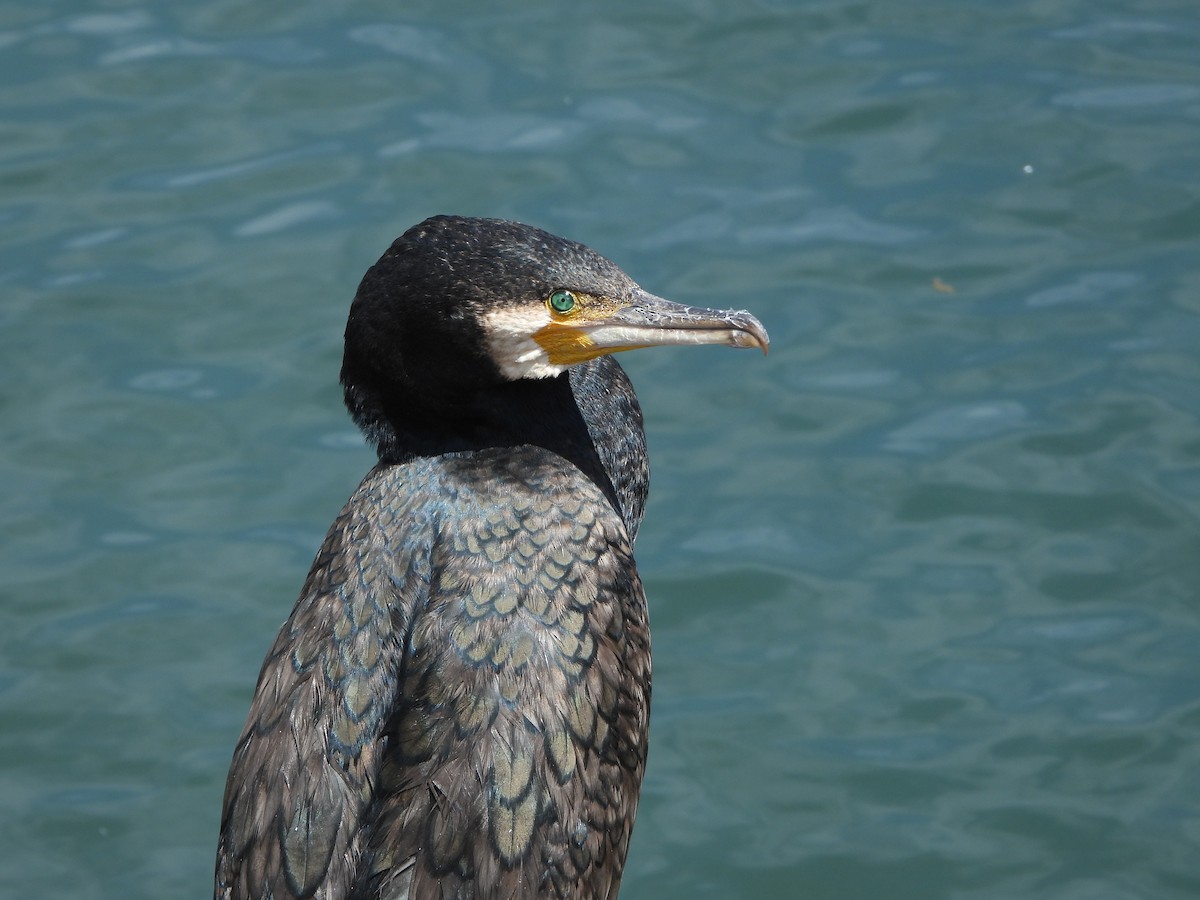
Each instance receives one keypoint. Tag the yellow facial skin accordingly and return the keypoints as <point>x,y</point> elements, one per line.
<point>566,339</point>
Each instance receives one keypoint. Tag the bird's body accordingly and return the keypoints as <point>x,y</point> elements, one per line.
<point>458,705</point>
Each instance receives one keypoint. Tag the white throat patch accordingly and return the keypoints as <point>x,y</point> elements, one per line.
<point>510,341</point>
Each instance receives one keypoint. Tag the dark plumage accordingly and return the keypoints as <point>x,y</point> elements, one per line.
<point>457,706</point>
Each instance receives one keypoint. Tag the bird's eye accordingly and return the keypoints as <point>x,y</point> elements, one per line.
<point>562,301</point>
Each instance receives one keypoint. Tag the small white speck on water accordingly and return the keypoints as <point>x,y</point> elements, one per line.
<point>1027,169</point>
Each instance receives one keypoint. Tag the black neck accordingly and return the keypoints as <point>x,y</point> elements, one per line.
<point>537,412</point>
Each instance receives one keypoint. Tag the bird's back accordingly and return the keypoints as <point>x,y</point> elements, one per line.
<point>457,705</point>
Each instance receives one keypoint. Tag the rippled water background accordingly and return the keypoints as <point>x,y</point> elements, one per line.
<point>924,582</point>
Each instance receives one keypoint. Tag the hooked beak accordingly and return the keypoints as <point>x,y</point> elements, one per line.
<point>647,321</point>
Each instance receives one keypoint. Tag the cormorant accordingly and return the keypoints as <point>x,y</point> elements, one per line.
<point>457,706</point>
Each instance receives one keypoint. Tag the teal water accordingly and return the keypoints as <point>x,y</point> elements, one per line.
<point>925,583</point>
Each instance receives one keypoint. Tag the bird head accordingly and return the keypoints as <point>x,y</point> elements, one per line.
<point>523,303</point>
<point>458,307</point>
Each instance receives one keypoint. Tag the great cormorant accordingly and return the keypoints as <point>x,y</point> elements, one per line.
<point>457,706</point>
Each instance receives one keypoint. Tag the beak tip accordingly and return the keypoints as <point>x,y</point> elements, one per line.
<point>751,333</point>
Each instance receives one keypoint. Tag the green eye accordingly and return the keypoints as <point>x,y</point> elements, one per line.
<point>562,301</point>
